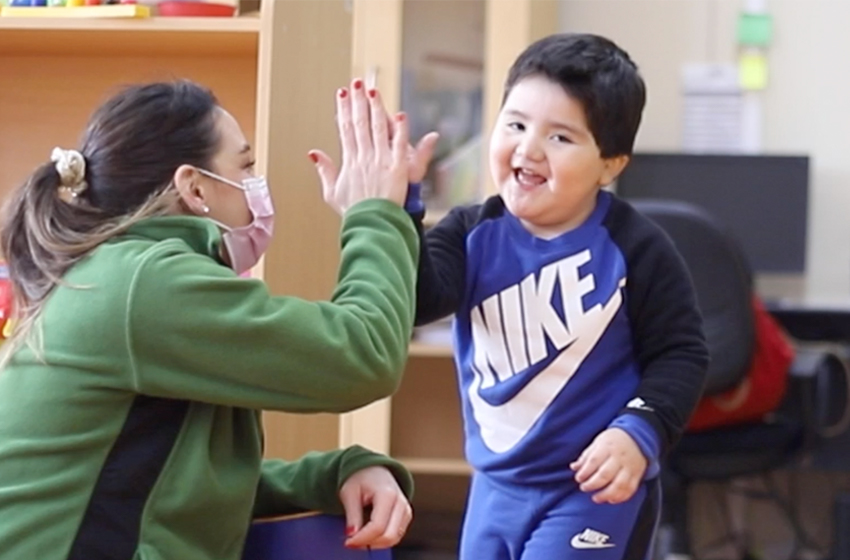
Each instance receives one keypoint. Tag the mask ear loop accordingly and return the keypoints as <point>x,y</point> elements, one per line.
<point>217,177</point>
<point>205,208</point>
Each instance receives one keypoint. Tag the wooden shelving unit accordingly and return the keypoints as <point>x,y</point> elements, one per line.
<point>437,466</point>
<point>157,36</point>
<point>432,217</point>
<point>424,350</point>
<point>57,70</point>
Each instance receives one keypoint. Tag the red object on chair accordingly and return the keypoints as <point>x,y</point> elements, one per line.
<point>763,388</point>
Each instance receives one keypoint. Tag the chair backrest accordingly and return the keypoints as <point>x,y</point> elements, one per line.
<point>723,285</point>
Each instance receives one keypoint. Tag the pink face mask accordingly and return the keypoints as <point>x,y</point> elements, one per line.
<point>245,245</point>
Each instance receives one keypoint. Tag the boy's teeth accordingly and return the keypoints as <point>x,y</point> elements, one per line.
<point>529,178</point>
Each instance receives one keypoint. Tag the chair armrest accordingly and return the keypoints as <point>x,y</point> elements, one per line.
<point>817,393</point>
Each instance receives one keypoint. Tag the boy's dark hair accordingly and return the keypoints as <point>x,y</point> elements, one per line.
<point>598,74</point>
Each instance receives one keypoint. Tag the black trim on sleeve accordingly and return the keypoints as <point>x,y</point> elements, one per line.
<point>441,281</point>
<point>669,343</point>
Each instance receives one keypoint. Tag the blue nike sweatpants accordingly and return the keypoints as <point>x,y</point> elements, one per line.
<point>544,523</point>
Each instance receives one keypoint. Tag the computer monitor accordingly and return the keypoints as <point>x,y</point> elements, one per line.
<point>763,200</point>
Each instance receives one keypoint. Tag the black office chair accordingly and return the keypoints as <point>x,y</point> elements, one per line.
<point>723,284</point>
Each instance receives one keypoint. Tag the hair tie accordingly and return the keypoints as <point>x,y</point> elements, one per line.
<point>71,166</point>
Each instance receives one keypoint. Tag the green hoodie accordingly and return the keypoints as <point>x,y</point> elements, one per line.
<point>136,434</point>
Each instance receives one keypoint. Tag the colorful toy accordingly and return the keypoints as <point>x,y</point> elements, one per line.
<point>81,9</point>
<point>5,302</point>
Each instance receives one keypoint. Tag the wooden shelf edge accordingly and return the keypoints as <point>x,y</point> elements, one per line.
<point>242,24</point>
<point>147,37</point>
<point>425,350</point>
<point>436,466</point>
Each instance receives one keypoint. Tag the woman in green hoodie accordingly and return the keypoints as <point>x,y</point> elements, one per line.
<point>131,390</point>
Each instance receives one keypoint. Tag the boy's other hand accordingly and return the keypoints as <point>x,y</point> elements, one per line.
<point>613,464</point>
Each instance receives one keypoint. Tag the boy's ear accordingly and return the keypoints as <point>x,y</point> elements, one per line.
<point>613,166</point>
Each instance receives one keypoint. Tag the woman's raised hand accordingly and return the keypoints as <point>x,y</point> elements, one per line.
<point>374,151</point>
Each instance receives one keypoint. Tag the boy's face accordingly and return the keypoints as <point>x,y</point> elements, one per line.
<point>544,159</point>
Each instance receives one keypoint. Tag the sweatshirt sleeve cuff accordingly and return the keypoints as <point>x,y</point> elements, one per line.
<point>357,458</point>
<point>646,439</point>
<point>413,204</point>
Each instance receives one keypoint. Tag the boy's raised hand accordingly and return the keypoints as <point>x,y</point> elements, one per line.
<point>613,465</point>
<point>419,157</point>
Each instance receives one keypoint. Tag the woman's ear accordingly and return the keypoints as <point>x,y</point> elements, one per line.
<point>188,183</point>
<point>613,166</point>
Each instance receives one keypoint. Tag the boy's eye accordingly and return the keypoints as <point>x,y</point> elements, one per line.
<point>561,138</point>
<point>250,165</point>
<point>518,126</point>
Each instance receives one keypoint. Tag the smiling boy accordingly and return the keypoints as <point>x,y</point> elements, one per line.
<point>579,346</point>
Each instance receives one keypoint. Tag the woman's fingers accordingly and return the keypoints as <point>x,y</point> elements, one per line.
<point>397,526</point>
<point>375,148</point>
<point>346,126</point>
<point>360,112</point>
<point>327,175</point>
<point>401,141</point>
<point>380,129</point>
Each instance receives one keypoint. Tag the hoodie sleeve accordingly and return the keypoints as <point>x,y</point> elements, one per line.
<point>313,482</point>
<point>195,330</point>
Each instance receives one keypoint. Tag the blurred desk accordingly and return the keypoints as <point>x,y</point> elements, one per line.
<point>814,320</point>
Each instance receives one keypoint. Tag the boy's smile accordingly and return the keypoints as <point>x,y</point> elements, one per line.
<point>545,160</point>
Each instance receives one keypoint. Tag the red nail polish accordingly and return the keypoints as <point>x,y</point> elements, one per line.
<point>400,117</point>
<point>314,157</point>
<point>358,84</point>
<point>343,92</point>
<point>372,93</point>
<point>350,531</point>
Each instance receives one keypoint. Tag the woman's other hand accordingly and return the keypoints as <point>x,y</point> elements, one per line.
<point>390,511</point>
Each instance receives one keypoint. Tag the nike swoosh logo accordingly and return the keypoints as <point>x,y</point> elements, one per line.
<point>576,542</point>
<point>502,426</point>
